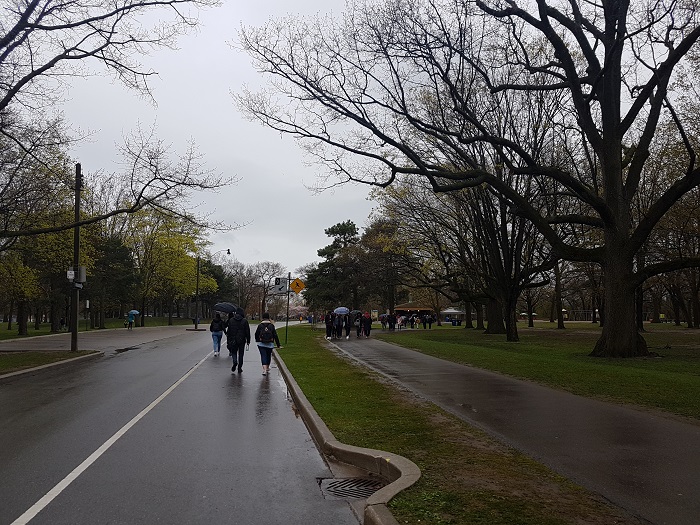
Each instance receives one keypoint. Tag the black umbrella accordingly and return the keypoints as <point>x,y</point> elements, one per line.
<point>228,308</point>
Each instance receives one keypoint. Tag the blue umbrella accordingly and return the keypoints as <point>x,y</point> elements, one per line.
<point>228,308</point>
<point>342,310</point>
<point>134,312</point>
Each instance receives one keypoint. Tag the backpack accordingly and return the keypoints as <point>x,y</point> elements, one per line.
<point>267,333</point>
<point>236,330</point>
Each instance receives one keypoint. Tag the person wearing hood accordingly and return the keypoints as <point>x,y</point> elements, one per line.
<point>266,338</point>
<point>237,337</point>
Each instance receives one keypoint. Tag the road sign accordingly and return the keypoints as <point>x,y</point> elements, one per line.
<point>280,286</point>
<point>297,285</point>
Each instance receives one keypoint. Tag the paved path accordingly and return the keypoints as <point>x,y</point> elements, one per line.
<point>644,462</point>
<point>161,433</point>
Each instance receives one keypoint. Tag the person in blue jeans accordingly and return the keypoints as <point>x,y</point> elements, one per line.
<point>217,332</point>
<point>266,338</point>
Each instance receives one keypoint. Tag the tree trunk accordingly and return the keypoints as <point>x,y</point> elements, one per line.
<point>468,315</point>
<point>639,308</point>
<point>9,317</point>
<point>22,318</point>
<point>619,337</point>
<point>530,306</point>
<point>557,298</point>
<point>479,316</point>
<point>494,318</point>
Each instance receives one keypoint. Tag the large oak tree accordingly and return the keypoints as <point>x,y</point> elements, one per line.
<point>412,88</point>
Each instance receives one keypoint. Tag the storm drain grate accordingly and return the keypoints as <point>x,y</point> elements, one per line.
<point>349,488</point>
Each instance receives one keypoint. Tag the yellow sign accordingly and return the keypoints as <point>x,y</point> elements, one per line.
<point>297,285</point>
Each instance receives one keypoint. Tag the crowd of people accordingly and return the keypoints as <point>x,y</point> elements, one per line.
<point>339,326</point>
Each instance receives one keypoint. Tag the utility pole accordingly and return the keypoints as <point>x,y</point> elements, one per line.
<point>196,299</point>
<point>76,263</point>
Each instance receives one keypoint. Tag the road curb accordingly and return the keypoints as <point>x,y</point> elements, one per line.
<point>72,360</point>
<point>400,472</point>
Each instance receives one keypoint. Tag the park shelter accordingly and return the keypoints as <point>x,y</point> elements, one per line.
<point>412,308</point>
<point>453,313</point>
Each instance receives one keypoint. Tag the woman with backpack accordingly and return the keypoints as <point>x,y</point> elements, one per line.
<point>266,339</point>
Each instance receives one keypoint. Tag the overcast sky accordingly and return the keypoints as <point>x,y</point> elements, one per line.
<point>193,93</point>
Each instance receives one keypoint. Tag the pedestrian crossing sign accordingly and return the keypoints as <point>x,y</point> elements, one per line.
<point>297,285</point>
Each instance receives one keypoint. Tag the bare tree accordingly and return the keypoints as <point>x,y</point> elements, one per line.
<point>44,43</point>
<point>404,88</point>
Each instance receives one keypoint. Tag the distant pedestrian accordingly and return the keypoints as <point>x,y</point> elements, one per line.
<point>366,324</point>
<point>425,321</point>
<point>329,325</point>
<point>266,338</point>
<point>430,322</point>
<point>338,324</point>
<point>130,321</point>
<point>237,337</point>
<point>217,332</point>
<point>358,324</point>
<point>347,324</point>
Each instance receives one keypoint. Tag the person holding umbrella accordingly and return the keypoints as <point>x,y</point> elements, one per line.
<point>131,315</point>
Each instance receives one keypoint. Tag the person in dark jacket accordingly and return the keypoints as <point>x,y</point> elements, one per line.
<point>366,322</point>
<point>266,339</point>
<point>237,337</point>
<point>217,332</point>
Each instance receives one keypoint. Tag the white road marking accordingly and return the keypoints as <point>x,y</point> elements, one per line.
<point>63,484</point>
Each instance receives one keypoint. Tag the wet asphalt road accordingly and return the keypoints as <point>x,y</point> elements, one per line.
<point>644,462</point>
<point>192,443</point>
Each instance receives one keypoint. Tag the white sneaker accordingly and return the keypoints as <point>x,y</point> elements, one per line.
<point>347,337</point>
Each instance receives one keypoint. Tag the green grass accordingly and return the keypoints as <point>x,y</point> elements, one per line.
<point>467,477</point>
<point>559,358</point>
<point>13,361</point>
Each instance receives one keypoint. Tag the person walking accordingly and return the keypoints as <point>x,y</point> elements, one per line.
<point>366,324</point>
<point>217,332</point>
<point>329,326</point>
<point>237,337</point>
<point>266,338</point>
<point>347,324</point>
<point>358,324</point>
<point>338,323</point>
<point>130,319</point>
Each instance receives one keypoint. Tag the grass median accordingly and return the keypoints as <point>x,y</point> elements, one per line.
<point>467,477</point>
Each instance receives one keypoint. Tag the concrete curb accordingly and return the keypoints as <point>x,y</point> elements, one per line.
<point>400,472</point>
<point>50,365</point>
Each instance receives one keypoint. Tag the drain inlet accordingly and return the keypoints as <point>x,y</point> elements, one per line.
<point>349,488</point>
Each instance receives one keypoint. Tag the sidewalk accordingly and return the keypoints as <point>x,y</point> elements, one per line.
<point>644,462</point>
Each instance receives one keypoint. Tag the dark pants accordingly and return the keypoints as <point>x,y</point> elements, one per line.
<point>237,351</point>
